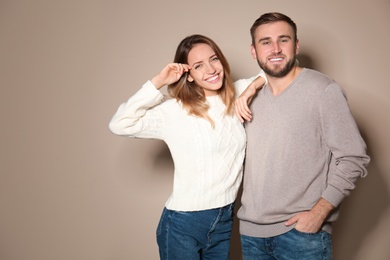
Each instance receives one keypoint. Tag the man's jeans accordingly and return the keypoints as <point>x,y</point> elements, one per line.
<point>197,235</point>
<point>291,245</point>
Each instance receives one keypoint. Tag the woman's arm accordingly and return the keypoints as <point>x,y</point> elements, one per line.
<point>140,116</point>
<point>241,105</point>
<point>136,116</point>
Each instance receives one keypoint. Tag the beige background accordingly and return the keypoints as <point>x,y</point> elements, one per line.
<point>70,189</point>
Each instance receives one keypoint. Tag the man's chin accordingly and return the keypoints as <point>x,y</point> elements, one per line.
<point>277,73</point>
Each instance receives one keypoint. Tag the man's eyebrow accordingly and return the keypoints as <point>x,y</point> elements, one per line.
<point>264,39</point>
<point>285,36</point>
<point>279,37</point>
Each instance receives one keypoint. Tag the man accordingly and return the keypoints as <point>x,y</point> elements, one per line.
<point>304,151</point>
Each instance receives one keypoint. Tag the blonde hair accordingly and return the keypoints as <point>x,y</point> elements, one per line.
<point>190,94</point>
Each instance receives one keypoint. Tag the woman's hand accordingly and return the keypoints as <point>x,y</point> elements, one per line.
<point>170,74</point>
<point>241,105</point>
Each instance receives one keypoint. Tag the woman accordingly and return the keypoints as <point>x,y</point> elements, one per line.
<point>207,144</point>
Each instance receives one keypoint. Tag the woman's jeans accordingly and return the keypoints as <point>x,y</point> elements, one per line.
<point>191,235</point>
<point>291,245</point>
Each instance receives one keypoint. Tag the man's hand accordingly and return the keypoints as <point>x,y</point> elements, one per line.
<point>311,221</point>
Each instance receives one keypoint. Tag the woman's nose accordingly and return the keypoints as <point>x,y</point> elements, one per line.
<point>210,69</point>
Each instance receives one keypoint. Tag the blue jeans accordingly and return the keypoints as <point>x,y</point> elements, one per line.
<point>291,245</point>
<point>197,235</point>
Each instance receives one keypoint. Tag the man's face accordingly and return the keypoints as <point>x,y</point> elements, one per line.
<point>275,48</point>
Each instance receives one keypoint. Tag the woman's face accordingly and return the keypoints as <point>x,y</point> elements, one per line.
<point>206,69</point>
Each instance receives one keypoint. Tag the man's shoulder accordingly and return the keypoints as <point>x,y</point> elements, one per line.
<point>320,81</point>
<point>316,75</point>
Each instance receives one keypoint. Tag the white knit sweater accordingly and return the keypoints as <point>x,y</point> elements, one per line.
<point>208,161</point>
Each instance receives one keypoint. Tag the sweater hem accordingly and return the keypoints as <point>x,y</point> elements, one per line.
<point>271,230</point>
<point>204,204</point>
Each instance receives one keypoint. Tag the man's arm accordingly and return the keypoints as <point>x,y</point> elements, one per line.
<point>311,221</point>
<point>350,160</point>
<point>342,136</point>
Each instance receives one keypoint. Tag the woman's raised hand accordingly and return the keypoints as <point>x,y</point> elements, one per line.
<point>170,74</point>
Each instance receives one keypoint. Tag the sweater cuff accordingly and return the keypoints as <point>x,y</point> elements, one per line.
<point>333,196</point>
<point>262,74</point>
<point>149,87</point>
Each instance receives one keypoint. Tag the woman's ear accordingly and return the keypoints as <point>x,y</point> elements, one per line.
<point>189,78</point>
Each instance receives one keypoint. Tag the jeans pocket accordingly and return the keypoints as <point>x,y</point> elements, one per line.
<point>303,245</point>
<point>306,233</point>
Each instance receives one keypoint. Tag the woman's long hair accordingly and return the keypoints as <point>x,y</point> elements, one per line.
<point>190,94</point>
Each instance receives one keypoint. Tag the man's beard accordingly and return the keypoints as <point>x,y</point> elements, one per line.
<point>278,72</point>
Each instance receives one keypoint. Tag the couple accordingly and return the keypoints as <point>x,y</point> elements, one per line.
<point>303,151</point>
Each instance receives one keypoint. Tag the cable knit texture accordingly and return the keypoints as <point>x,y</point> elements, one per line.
<point>207,161</point>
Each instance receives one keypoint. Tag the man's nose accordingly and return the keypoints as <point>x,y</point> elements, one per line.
<point>276,48</point>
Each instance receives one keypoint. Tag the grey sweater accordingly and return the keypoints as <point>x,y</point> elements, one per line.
<point>301,145</point>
